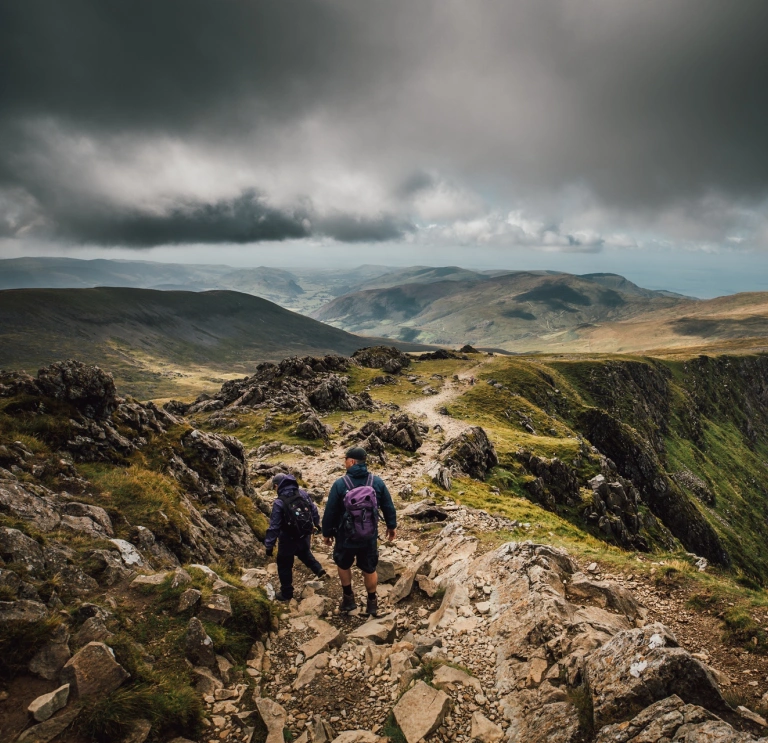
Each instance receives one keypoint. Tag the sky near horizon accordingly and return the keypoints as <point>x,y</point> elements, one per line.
<point>591,136</point>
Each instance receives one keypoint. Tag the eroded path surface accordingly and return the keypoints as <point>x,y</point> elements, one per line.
<point>428,407</point>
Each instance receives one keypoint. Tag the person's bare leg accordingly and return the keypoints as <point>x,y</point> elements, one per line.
<point>371,580</point>
<point>345,576</point>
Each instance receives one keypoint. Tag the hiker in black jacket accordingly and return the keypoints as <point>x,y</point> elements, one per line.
<point>335,527</point>
<point>294,534</point>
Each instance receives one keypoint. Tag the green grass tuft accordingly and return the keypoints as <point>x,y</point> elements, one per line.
<point>392,730</point>
<point>742,629</point>
<point>255,518</point>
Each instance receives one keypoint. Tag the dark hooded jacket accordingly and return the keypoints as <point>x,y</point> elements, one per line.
<point>333,516</point>
<point>276,528</point>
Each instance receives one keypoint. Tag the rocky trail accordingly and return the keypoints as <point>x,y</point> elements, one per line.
<point>476,640</point>
<point>478,643</point>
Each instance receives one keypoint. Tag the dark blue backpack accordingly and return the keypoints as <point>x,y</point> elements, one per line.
<point>297,514</point>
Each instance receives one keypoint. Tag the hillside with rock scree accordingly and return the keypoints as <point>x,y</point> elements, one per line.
<point>557,574</point>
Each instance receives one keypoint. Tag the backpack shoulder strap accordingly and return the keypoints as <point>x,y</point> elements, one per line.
<point>369,481</point>
<point>348,483</point>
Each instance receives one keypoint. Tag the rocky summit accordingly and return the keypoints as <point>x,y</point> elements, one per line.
<point>575,558</point>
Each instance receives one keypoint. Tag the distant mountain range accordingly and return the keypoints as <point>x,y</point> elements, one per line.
<point>521,311</point>
<point>518,311</point>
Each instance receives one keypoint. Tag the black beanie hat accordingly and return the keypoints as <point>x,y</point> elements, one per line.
<point>356,452</point>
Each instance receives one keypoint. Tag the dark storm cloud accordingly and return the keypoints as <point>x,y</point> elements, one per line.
<point>241,220</point>
<point>346,228</point>
<point>643,105</point>
<point>244,219</point>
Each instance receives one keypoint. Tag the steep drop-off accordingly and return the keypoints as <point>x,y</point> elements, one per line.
<point>690,436</point>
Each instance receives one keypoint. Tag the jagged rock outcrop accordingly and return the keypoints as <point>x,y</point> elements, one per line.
<point>559,634</point>
<point>294,385</point>
<point>671,719</point>
<point>215,531</point>
<point>638,667</point>
<point>441,354</point>
<point>332,394</point>
<point>636,460</point>
<point>312,428</point>
<point>401,431</point>
<point>88,388</point>
<point>92,422</point>
<point>374,448</point>
<point>211,464</point>
<point>556,482</point>
<point>614,508</point>
<point>387,358</point>
<point>471,453</point>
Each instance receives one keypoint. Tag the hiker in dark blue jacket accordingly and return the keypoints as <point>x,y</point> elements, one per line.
<point>293,534</point>
<point>346,551</point>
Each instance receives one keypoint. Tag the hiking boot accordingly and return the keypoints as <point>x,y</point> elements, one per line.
<point>348,603</point>
<point>279,597</point>
<point>372,606</point>
<point>322,576</point>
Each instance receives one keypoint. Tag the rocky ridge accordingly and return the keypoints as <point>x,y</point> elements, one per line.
<point>475,642</point>
<point>297,384</point>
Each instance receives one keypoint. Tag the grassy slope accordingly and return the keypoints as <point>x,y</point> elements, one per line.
<point>552,391</point>
<point>149,339</point>
<point>148,631</point>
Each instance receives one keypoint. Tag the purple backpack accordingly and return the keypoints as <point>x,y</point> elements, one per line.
<point>362,510</point>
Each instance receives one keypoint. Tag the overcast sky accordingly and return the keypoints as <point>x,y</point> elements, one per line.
<point>612,135</point>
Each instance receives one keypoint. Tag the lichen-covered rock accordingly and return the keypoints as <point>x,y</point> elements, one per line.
<point>216,609</point>
<point>332,394</point>
<point>29,503</point>
<point>638,667</point>
<point>671,719</point>
<point>92,520</point>
<point>218,460</point>
<point>89,412</point>
<point>22,612</point>
<point>310,427</point>
<point>401,431</point>
<point>19,548</point>
<point>294,385</point>
<point>471,452</point>
<point>198,647</point>
<point>88,388</point>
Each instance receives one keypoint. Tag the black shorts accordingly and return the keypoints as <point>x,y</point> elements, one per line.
<point>367,556</point>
